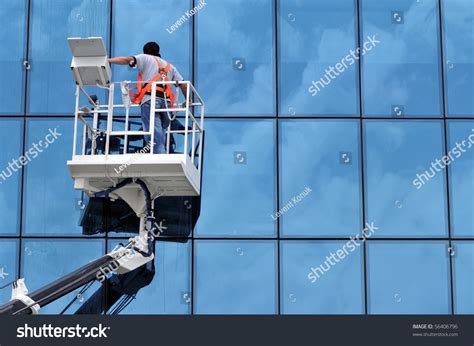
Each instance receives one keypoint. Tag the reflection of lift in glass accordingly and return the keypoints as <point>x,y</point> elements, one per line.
<point>127,188</point>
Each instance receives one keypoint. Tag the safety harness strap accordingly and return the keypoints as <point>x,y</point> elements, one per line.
<point>162,74</point>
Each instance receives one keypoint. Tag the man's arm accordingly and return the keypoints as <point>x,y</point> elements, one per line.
<point>184,89</point>
<point>121,60</point>
<point>176,77</point>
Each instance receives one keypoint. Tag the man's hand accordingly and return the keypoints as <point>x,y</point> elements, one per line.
<point>121,60</point>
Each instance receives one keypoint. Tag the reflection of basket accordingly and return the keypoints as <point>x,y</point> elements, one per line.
<point>178,214</point>
<point>99,146</point>
<point>116,144</point>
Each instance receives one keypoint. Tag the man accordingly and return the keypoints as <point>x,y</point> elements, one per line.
<point>150,65</point>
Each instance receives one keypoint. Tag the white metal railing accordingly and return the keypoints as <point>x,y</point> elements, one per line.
<point>90,119</point>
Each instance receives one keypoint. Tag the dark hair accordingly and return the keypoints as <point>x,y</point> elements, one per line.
<point>152,48</point>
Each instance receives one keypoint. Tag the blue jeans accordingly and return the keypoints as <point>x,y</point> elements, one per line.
<point>162,122</point>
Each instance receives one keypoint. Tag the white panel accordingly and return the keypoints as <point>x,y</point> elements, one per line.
<point>92,46</point>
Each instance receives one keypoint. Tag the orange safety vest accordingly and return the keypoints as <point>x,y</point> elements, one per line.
<point>166,89</point>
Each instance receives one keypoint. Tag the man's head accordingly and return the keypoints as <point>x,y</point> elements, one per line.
<point>152,48</point>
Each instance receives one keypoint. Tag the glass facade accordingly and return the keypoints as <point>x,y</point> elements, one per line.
<point>312,146</point>
<point>402,75</point>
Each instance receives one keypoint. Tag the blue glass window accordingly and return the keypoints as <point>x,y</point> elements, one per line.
<point>155,20</point>
<point>51,86</point>
<point>405,181</point>
<point>170,290</point>
<point>458,17</point>
<point>408,277</point>
<point>463,269</point>
<point>401,74</point>
<point>324,157</point>
<point>235,277</point>
<point>46,260</point>
<point>51,203</point>
<point>461,177</point>
<point>10,175</point>
<point>236,57</point>
<point>311,273</point>
<point>12,55</point>
<point>316,39</point>
<point>8,267</point>
<point>238,191</point>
